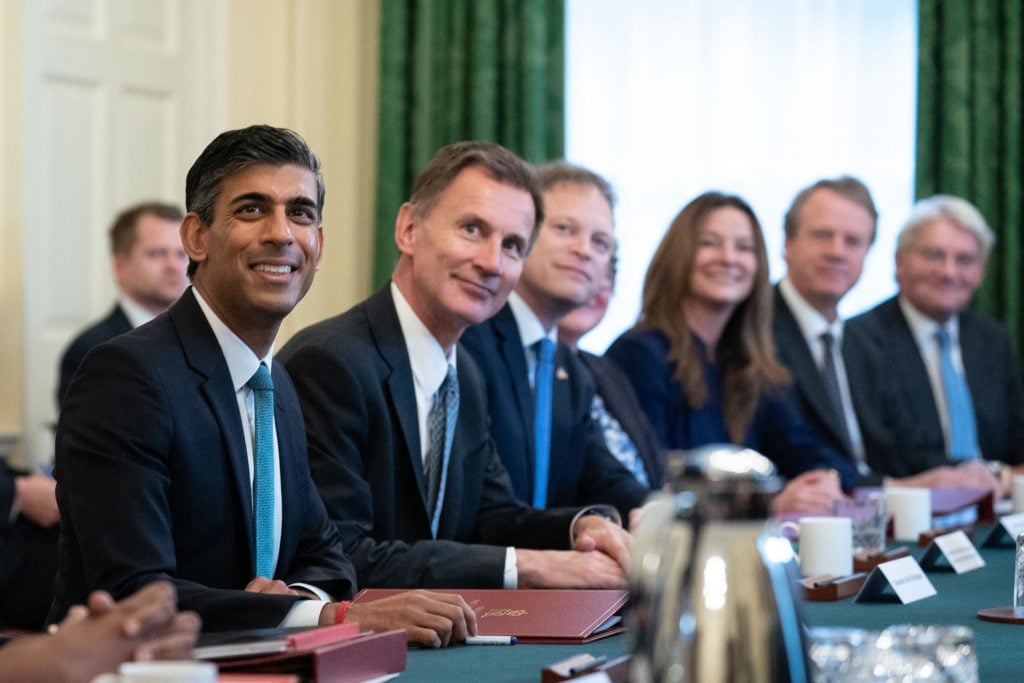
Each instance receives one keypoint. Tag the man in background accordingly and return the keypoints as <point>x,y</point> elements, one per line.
<point>149,267</point>
<point>830,227</point>
<point>539,394</point>
<point>615,406</point>
<point>395,409</point>
<point>954,372</point>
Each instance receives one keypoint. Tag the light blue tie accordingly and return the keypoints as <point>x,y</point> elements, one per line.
<point>542,420</point>
<point>444,412</point>
<point>263,470</point>
<point>963,438</point>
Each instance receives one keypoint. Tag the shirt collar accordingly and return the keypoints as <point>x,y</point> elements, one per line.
<point>426,357</point>
<point>530,329</point>
<point>137,314</point>
<point>923,327</point>
<point>811,322</point>
<point>242,362</point>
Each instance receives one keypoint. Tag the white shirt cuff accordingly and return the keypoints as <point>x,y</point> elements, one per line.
<point>304,613</point>
<point>511,579</point>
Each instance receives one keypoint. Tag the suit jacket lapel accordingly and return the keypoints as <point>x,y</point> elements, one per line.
<point>907,356</point>
<point>510,346</point>
<point>805,370</point>
<point>289,464</point>
<point>387,333</point>
<point>205,357</point>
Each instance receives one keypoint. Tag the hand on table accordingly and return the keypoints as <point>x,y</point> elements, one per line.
<point>431,619</point>
<point>809,494</point>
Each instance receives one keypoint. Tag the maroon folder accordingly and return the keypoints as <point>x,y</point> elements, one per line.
<point>536,616</point>
<point>354,659</point>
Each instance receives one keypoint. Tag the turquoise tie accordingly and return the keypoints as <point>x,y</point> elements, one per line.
<point>963,438</point>
<point>542,420</point>
<point>263,470</point>
<point>444,411</point>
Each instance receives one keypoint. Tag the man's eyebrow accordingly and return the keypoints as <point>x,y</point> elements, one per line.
<point>298,200</point>
<point>250,197</point>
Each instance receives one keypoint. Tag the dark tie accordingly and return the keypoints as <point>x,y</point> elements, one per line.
<point>263,470</point>
<point>830,377</point>
<point>444,411</point>
<point>543,376</point>
<point>963,439</point>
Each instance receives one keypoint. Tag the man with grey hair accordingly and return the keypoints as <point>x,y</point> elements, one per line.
<point>954,372</point>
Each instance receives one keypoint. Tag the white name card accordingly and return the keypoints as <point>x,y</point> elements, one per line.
<point>956,550</point>
<point>904,576</point>
<point>1006,531</point>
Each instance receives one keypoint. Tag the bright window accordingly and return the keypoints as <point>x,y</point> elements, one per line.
<point>669,98</point>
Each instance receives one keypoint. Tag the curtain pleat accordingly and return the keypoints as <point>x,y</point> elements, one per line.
<point>463,69</point>
<point>969,129</point>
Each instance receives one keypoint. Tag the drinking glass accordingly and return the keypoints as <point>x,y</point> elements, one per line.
<point>868,519</point>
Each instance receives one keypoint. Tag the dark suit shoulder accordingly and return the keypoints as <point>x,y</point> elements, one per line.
<point>114,324</point>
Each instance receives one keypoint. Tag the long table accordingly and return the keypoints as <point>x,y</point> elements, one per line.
<point>999,647</point>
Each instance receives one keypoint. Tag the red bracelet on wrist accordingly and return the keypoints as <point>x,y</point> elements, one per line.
<point>339,616</point>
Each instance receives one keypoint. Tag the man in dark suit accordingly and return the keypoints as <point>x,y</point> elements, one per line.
<point>566,265</point>
<point>615,406</point>
<point>149,267</point>
<point>956,372</point>
<point>181,451</point>
<point>830,226</point>
<point>395,409</point>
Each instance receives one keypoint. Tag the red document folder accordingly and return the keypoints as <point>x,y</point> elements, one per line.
<point>354,659</point>
<point>535,616</point>
<point>269,641</point>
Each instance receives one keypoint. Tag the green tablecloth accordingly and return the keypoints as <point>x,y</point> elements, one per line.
<point>1000,647</point>
<point>516,663</point>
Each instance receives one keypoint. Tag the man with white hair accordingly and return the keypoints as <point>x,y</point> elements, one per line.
<point>955,372</point>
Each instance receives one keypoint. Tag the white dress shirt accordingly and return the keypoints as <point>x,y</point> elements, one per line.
<point>429,367</point>
<point>812,325</point>
<point>242,365</point>
<point>137,314</point>
<point>531,331</point>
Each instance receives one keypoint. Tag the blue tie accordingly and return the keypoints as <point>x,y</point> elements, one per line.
<point>444,411</point>
<point>963,439</point>
<point>263,470</point>
<point>542,420</point>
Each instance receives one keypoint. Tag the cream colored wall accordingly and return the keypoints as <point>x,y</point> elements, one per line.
<point>310,65</point>
<point>12,300</point>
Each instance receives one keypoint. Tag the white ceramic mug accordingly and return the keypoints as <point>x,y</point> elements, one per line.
<point>826,545</point>
<point>911,510</point>
<point>1017,492</point>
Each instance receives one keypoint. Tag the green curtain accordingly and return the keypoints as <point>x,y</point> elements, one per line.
<point>463,69</point>
<point>969,129</point>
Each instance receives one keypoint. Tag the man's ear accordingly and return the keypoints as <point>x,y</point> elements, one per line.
<point>405,229</point>
<point>194,234</point>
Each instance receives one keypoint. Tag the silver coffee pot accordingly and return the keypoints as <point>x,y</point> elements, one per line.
<point>712,585</point>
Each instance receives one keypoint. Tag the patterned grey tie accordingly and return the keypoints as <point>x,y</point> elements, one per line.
<point>441,426</point>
